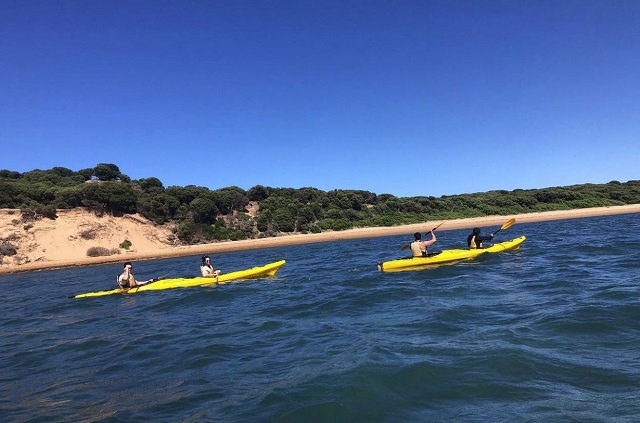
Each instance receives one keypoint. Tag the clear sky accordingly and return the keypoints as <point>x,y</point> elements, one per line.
<point>401,97</point>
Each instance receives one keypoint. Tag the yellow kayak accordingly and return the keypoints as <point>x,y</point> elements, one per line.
<point>446,257</point>
<point>253,273</point>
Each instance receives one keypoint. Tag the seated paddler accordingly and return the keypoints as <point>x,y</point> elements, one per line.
<point>419,247</point>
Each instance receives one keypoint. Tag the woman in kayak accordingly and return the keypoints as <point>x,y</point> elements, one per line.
<point>475,240</point>
<point>126,280</point>
<point>207,269</point>
<point>419,247</point>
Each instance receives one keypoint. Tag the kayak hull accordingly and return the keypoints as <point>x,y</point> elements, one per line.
<point>253,273</point>
<point>447,257</point>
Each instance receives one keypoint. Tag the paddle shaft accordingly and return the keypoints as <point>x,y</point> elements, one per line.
<point>404,247</point>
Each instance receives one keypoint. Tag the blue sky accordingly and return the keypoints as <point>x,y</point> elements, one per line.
<point>402,97</point>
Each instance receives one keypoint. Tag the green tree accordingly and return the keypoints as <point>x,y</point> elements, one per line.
<point>258,193</point>
<point>106,172</point>
<point>149,184</point>
<point>263,222</point>
<point>203,210</point>
<point>194,233</point>
<point>284,221</point>
<point>87,174</point>
<point>187,194</point>
<point>9,174</point>
<point>63,171</point>
<point>112,197</point>
<point>68,198</point>
<point>230,199</point>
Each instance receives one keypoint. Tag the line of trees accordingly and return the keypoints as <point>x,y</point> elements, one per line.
<point>203,215</point>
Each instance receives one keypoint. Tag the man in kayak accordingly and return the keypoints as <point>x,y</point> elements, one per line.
<point>207,269</point>
<point>126,280</point>
<point>419,247</point>
<point>475,240</point>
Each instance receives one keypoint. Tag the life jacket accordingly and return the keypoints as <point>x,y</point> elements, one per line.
<point>208,267</point>
<point>128,282</point>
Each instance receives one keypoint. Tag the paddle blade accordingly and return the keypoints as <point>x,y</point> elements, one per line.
<point>509,223</point>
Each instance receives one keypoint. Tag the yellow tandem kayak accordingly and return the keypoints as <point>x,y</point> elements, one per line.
<point>446,257</point>
<point>253,273</point>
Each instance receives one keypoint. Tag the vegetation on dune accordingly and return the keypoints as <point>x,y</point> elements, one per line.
<point>7,249</point>
<point>204,215</point>
<point>101,251</point>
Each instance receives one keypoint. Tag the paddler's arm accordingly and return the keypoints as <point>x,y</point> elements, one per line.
<point>125,277</point>
<point>431,241</point>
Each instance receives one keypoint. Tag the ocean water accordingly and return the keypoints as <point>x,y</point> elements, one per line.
<point>549,333</point>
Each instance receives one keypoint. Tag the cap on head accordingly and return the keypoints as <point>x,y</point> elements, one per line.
<point>417,236</point>
<point>476,231</point>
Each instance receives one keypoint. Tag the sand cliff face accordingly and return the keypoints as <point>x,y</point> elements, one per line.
<point>75,231</point>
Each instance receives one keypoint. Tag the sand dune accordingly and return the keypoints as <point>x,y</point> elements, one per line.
<point>47,244</point>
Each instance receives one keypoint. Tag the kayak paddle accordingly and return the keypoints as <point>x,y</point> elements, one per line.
<point>139,284</point>
<point>404,247</point>
<point>506,225</point>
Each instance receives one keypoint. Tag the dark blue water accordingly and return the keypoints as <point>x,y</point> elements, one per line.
<point>548,333</point>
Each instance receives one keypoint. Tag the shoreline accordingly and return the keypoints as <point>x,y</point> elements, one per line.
<point>297,239</point>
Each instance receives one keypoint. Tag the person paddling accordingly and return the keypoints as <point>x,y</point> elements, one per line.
<point>207,269</point>
<point>419,247</point>
<point>475,240</point>
<point>127,281</point>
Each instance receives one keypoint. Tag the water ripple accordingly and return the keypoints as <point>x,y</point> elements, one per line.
<point>547,333</point>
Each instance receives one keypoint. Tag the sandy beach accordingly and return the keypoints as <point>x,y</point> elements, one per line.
<point>48,244</point>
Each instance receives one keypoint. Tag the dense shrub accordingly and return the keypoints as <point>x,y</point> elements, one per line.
<point>89,234</point>
<point>8,249</point>
<point>102,251</point>
<point>12,237</point>
<point>194,233</point>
